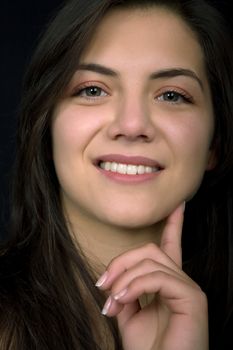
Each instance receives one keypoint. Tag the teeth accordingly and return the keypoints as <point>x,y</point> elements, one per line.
<point>141,169</point>
<point>132,169</point>
<point>114,167</point>
<point>122,168</point>
<point>148,169</point>
<point>128,169</point>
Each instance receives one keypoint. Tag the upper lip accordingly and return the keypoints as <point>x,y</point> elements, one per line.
<point>123,159</point>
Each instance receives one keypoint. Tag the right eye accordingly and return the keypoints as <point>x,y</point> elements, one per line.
<point>91,92</point>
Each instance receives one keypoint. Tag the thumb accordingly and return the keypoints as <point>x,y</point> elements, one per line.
<point>171,236</point>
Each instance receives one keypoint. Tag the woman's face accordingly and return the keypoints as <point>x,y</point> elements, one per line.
<point>132,134</point>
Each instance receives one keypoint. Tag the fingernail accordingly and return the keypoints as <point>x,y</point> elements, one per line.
<point>106,306</point>
<point>102,279</point>
<point>120,294</point>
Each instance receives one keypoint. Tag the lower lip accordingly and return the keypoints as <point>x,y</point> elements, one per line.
<point>129,179</point>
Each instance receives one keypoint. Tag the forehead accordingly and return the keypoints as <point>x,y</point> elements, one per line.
<point>144,36</point>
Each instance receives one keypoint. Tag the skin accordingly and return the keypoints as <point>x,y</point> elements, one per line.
<point>134,229</point>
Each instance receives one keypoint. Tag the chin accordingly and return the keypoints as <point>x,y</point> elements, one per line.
<point>133,221</point>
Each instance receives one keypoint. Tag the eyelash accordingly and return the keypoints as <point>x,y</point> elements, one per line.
<point>180,94</point>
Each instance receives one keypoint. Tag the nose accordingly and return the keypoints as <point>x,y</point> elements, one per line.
<point>132,120</point>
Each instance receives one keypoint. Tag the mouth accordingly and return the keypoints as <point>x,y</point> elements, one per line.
<point>128,166</point>
<point>129,169</point>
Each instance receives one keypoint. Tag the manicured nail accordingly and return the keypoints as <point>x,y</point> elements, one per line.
<point>120,294</point>
<point>106,306</point>
<point>102,279</point>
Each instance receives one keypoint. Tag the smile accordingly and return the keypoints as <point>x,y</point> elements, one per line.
<point>129,169</point>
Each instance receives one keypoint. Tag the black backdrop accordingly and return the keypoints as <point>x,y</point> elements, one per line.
<point>21,22</point>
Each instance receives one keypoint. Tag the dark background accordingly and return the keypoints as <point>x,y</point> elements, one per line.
<point>21,22</point>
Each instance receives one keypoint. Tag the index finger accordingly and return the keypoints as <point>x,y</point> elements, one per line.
<point>171,236</point>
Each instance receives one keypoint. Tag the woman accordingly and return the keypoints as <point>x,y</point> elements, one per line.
<point>126,115</point>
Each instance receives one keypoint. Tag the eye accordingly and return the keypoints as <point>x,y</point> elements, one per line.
<point>91,91</point>
<point>175,97</point>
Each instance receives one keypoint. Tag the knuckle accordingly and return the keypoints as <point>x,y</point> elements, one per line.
<point>202,297</point>
<point>135,284</point>
<point>114,264</point>
<point>152,247</point>
<point>161,274</point>
<point>148,264</point>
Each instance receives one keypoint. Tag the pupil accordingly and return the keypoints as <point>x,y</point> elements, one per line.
<point>171,96</point>
<point>93,91</point>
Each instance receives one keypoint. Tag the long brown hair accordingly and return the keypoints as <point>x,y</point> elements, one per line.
<point>42,272</point>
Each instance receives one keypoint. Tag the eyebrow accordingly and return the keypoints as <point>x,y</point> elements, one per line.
<point>97,68</point>
<point>160,74</point>
<point>175,72</point>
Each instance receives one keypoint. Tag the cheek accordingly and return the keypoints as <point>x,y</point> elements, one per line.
<point>189,143</point>
<point>191,138</point>
<point>73,128</point>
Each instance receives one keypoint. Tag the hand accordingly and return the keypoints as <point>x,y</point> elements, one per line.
<point>177,317</point>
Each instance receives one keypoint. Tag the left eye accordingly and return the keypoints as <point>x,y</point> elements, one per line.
<point>175,97</point>
<point>91,91</point>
